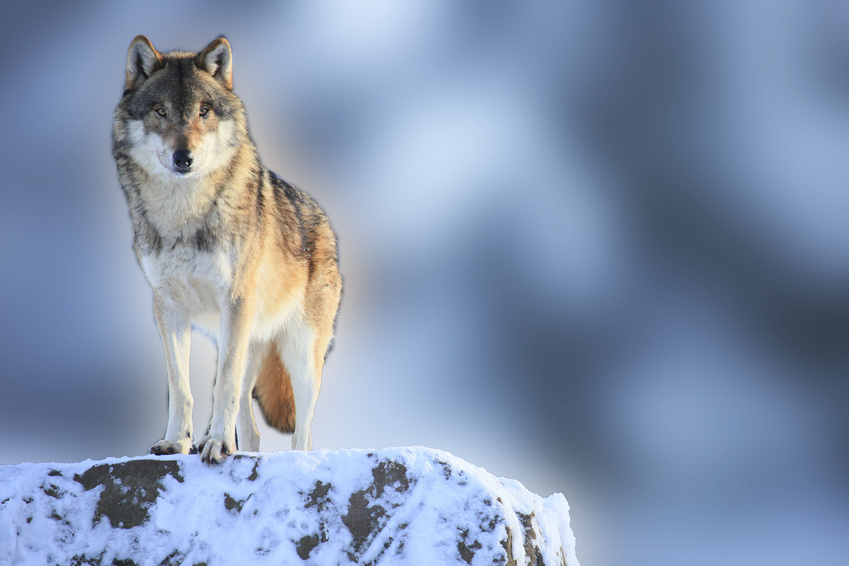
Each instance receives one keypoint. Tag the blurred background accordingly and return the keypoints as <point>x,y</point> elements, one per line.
<point>601,247</point>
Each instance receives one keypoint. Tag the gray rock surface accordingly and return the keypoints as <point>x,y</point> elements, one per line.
<point>395,506</point>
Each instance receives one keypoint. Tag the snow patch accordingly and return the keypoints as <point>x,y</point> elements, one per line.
<point>393,506</point>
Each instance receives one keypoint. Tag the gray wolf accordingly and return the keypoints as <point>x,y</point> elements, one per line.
<point>227,247</point>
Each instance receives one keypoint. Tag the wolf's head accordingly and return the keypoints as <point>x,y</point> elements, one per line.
<point>179,116</point>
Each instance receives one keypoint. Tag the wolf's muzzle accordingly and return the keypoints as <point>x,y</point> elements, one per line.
<point>183,160</point>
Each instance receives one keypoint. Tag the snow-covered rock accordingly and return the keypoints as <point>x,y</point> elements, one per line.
<point>394,506</point>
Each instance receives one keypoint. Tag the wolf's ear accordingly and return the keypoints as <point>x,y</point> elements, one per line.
<point>217,60</point>
<point>142,60</point>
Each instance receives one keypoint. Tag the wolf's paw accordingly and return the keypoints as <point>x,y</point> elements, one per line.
<point>167,447</point>
<point>215,450</point>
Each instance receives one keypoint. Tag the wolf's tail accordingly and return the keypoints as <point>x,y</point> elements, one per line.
<point>273,390</point>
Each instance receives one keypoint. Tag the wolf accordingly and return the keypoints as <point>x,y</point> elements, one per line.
<point>228,248</point>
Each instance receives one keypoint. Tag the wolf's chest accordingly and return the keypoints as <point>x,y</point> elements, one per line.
<point>196,280</point>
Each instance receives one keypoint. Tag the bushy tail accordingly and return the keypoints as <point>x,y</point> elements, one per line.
<point>273,390</point>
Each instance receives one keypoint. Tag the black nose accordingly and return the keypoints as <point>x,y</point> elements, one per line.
<point>183,159</point>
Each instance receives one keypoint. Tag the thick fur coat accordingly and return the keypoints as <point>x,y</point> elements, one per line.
<point>227,247</point>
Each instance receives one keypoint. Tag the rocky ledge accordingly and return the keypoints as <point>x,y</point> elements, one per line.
<point>394,506</point>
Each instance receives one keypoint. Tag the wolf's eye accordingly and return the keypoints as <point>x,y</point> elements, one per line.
<point>204,110</point>
<point>160,110</point>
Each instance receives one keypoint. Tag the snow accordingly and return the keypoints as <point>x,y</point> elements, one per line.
<point>393,506</point>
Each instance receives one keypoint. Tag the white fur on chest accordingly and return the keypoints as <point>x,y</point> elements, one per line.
<point>197,283</point>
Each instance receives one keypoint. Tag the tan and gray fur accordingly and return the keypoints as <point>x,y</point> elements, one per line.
<point>228,248</point>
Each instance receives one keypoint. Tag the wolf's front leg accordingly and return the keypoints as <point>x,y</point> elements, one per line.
<point>175,331</point>
<point>236,322</point>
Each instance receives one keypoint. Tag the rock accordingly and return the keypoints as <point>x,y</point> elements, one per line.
<point>395,506</point>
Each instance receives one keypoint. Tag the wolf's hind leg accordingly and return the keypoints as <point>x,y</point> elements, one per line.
<point>297,351</point>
